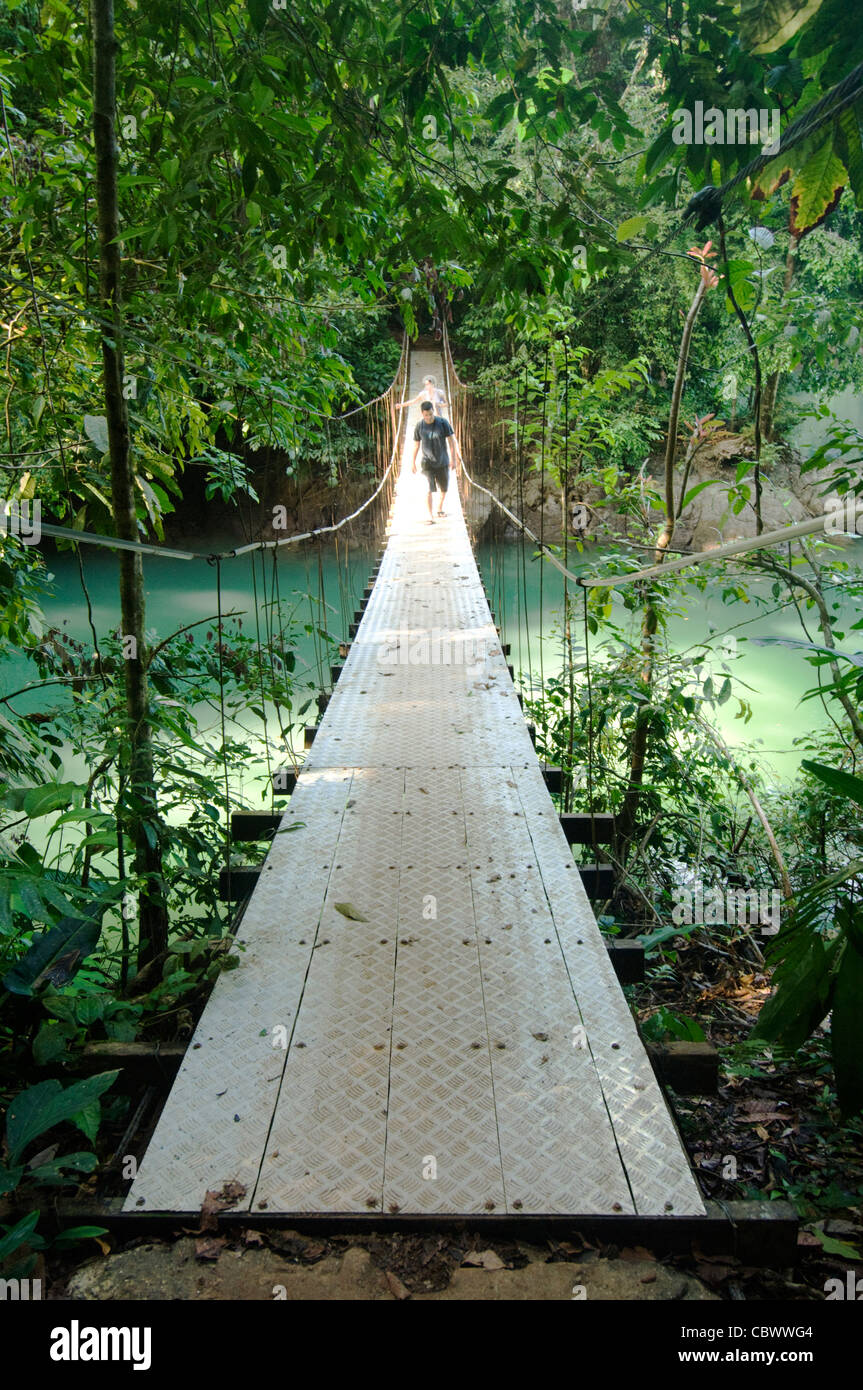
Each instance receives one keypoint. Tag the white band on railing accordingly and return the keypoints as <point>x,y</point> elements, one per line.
<point>720,552</point>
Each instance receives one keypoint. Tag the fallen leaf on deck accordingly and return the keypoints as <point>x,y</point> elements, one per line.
<point>348,910</point>
<point>214,1202</point>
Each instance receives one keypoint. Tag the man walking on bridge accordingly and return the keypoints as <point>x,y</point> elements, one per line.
<point>432,433</point>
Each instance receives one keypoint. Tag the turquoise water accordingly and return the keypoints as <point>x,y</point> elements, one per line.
<point>772,679</point>
<point>178,593</point>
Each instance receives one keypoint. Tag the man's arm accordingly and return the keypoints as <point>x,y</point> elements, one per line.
<point>414,459</point>
<point>452,439</point>
<point>404,404</point>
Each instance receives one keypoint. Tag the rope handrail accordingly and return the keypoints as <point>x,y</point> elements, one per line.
<point>142,548</point>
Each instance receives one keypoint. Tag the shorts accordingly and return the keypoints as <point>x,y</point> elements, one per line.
<point>438,476</point>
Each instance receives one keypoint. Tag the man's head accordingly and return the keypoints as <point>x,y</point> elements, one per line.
<point>428,411</point>
<point>429,381</point>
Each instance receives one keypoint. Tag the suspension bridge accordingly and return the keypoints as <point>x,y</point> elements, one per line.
<point>424,1020</point>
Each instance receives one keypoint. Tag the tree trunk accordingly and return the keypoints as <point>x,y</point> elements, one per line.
<point>650,622</point>
<point>141,812</point>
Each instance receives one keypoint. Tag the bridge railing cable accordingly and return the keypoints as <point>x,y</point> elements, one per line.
<point>387,439</point>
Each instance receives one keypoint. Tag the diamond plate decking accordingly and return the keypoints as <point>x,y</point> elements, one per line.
<point>461,1046</point>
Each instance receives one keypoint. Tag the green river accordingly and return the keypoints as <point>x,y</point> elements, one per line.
<point>772,678</point>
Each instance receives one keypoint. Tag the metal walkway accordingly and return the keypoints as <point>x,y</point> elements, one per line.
<point>459,1045</point>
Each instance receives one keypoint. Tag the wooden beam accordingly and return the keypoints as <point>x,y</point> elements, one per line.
<point>578,827</point>
<point>627,957</point>
<point>238,883</point>
<point>309,735</point>
<point>284,780</point>
<point>690,1068</point>
<point>759,1234</point>
<point>253,825</point>
<point>162,1059</point>
<point>598,879</point>
<point>553,776</point>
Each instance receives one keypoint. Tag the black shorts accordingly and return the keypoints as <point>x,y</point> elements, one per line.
<point>438,476</point>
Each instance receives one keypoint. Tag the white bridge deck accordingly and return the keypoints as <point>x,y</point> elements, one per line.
<point>464,1048</point>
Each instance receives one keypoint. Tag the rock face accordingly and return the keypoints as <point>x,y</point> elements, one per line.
<point>706,522</point>
<point>164,1271</point>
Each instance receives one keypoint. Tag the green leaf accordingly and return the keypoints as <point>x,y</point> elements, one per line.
<point>633,226</point>
<point>845,1029</point>
<point>41,1107</point>
<point>16,1236</point>
<point>253,213</point>
<point>836,780</point>
<point>9,1179</point>
<point>96,430</point>
<point>259,13</point>
<point>831,1246</point>
<point>40,801</point>
<point>50,1043</point>
<point>76,1233</point>
<point>802,996</point>
<point>849,147</point>
<point>250,175</point>
<point>88,1120</point>
<point>817,189</point>
<point>55,955</point>
<point>766,25</point>
<point>699,487</point>
<point>348,910</point>
<point>53,1172</point>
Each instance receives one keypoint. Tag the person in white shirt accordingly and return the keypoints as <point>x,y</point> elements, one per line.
<point>429,392</point>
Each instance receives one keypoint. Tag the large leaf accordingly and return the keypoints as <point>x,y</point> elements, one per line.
<point>52,1172</point>
<point>56,954</point>
<point>846,1032</point>
<point>849,147</point>
<point>836,780</point>
<point>16,1236</point>
<point>802,996</point>
<point>41,1107</point>
<point>96,428</point>
<point>817,189</point>
<point>766,25</point>
<point>41,801</point>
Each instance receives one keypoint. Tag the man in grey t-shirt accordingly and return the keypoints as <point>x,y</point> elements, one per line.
<point>432,434</point>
